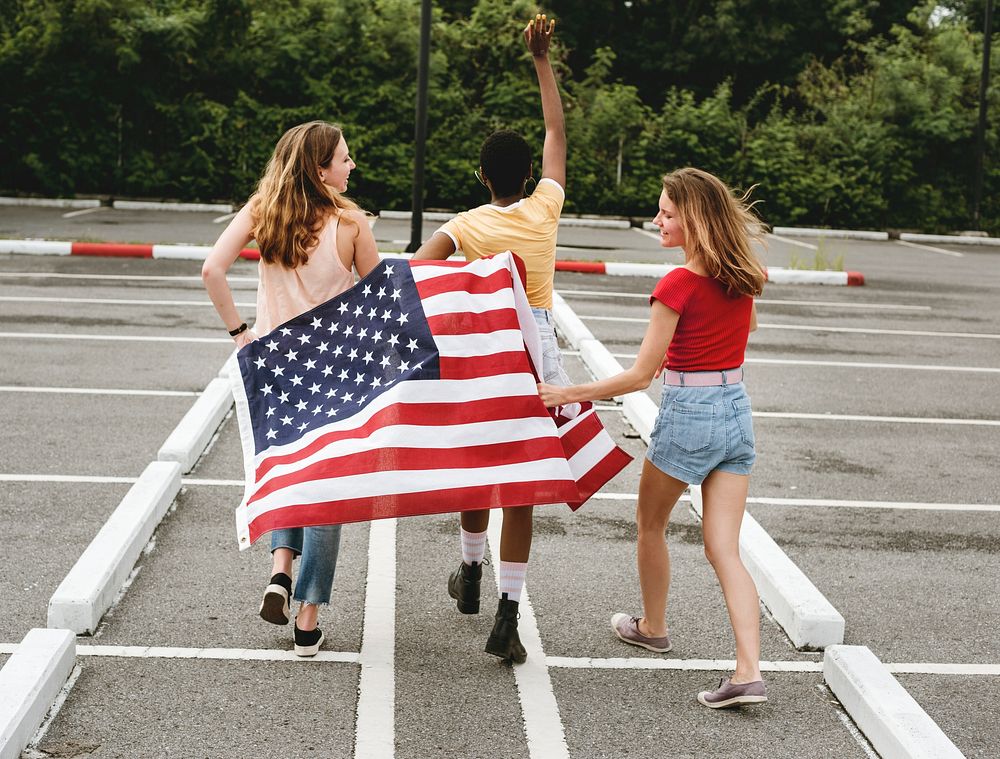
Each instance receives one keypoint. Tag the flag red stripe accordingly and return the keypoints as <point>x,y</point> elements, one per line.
<point>443,500</point>
<point>603,471</point>
<point>423,414</point>
<point>398,459</point>
<point>464,282</point>
<point>577,437</point>
<point>466,323</point>
<point>509,362</point>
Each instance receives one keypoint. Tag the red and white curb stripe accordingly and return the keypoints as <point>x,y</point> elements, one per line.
<point>776,275</point>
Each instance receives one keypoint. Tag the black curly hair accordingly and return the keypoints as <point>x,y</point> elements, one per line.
<point>506,161</point>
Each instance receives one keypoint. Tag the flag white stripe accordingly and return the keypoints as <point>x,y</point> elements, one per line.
<point>463,302</point>
<point>485,344</point>
<point>590,455</point>
<point>481,267</point>
<point>432,438</point>
<point>414,392</point>
<point>390,482</point>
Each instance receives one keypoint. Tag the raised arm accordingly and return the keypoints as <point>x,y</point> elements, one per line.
<point>537,36</point>
<point>659,333</point>
<point>213,273</point>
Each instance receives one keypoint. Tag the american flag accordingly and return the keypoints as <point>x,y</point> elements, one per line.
<point>411,393</point>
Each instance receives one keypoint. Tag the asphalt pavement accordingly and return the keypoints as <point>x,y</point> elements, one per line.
<point>878,429</point>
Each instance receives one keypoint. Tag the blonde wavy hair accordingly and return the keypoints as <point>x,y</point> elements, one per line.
<point>291,203</point>
<point>718,228</point>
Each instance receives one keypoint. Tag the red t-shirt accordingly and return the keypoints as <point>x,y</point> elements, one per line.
<point>712,332</point>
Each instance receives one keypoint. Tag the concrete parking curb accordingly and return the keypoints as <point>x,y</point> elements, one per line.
<point>89,588</point>
<point>29,682</point>
<point>189,438</point>
<point>833,234</point>
<point>806,616</point>
<point>889,717</point>
<point>51,202</point>
<point>949,239</point>
<point>146,205</point>
<point>776,275</point>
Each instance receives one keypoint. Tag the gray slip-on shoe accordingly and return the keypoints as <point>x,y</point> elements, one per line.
<point>626,628</point>
<point>733,694</point>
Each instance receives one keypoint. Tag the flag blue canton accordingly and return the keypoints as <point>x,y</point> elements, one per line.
<point>331,362</point>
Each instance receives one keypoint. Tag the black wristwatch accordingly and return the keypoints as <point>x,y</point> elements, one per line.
<point>240,329</point>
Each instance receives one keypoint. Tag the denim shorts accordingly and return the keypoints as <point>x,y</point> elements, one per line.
<point>552,368</point>
<point>701,429</point>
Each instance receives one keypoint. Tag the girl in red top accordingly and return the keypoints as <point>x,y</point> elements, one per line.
<point>701,316</point>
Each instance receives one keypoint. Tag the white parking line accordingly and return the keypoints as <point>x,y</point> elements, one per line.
<point>543,726</point>
<point>118,277</point>
<point>375,731</point>
<point>790,241</point>
<point>115,301</point>
<point>225,217</point>
<point>727,665</point>
<point>819,328</point>
<point>94,391</point>
<point>655,235</point>
<point>81,212</point>
<point>862,418</point>
<point>845,364</point>
<point>113,338</point>
<point>758,301</point>
<point>931,248</point>
<point>220,654</point>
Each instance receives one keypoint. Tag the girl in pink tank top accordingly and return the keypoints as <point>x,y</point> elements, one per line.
<point>310,237</point>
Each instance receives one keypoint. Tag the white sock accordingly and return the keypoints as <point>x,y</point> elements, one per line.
<point>511,579</point>
<point>473,547</point>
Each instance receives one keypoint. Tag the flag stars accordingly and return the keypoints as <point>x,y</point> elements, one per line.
<point>404,366</point>
<point>358,379</point>
<point>362,399</point>
<point>272,346</point>
<point>315,388</point>
<point>381,292</point>
<point>304,338</point>
<point>310,364</point>
<point>338,350</point>
<point>327,370</point>
<point>363,334</point>
<point>376,382</point>
<point>342,308</point>
<point>267,390</point>
<point>402,319</point>
<point>285,331</point>
<point>353,354</point>
<point>385,361</point>
<point>373,313</point>
<point>393,340</point>
<point>302,427</point>
<point>347,397</point>
<point>286,419</point>
<point>270,411</point>
<point>367,291</point>
<point>344,374</point>
<point>317,410</point>
<point>279,371</point>
<point>296,380</point>
<point>333,328</point>
<point>291,355</point>
<point>359,310</point>
<point>317,323</point>
<point>377,337</point>
<point>323,347</point>
<point>331,412</point>
<point>272,434</point>
<point>388,270</point>
<point>283,397</point>
<point>412,346</point>
<point>260,362</point>
<point>396,294</point>
<point>368,357</point>
<point>349,329</point>
<point>331,393</point>
<point>386,315</point>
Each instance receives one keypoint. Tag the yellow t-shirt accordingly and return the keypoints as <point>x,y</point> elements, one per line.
<point>528,228</point>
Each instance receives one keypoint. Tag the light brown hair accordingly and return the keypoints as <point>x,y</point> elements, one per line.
<point>718,227</point>
<point>291,203</point>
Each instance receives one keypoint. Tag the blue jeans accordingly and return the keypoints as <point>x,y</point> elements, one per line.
<point>318,547</point>
<point>552,369</point>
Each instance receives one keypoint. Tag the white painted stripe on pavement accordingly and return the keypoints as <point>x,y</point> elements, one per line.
<point>115,301</point>
<point>543,726</point>
<point>113,338</point>
<point>95,391</point>
<point>931,248</point>
<point>118,277</point>
<point>375,730</point>
<point>72,214</point>
<point>887,419</point>
<point>76,479</point>
<point>818,328</point>
<point>728,665</point>
<point>844,364</point>
<point>221,654</point>
<point>889,717</point>
<point>759,301</point>
<point>790,241</point>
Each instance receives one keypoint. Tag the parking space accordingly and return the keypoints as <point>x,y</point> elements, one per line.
<point>915,584</point>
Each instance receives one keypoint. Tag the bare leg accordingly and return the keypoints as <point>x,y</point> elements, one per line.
<point>306,618</point>
<point>281,561</point>
<point>658,492</point>
<point>476,521</point>
<point>725,496</point>
<point>515,536</point>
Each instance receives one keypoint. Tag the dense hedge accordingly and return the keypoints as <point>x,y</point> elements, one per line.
<point>185,98</point>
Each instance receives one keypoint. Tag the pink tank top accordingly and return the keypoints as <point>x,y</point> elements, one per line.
<point>284,293</point>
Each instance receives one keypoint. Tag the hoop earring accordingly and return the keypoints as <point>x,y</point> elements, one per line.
<point>479,176</point>
<point>534,184</point>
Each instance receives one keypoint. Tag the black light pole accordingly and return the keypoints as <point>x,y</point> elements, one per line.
<point>420,131</point>
<point>984,83</point>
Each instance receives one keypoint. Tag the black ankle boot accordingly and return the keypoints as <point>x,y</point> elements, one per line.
<point>504,641</point>
<point>463,586</point>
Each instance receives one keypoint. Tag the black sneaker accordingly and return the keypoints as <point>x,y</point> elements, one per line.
<point>504,640</point>
<point>307,642</point>
<point>274,607</point>
<point>463,586</point>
